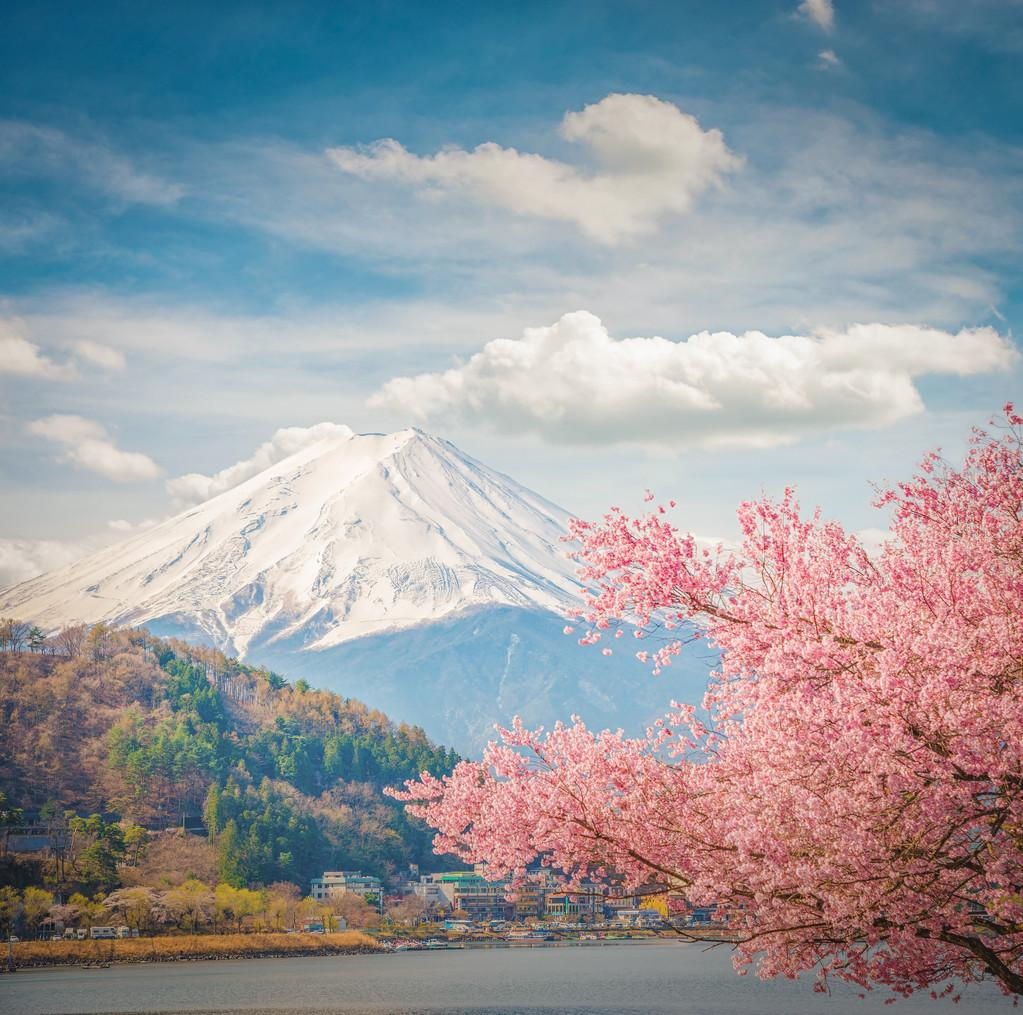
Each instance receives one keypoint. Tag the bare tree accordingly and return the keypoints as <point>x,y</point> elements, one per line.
<point>71,639</point>
<point>411,910</point>
<point>355,910</point>
<point>13,634</point>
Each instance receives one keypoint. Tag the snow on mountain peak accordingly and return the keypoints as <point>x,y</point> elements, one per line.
<point>349,536</point>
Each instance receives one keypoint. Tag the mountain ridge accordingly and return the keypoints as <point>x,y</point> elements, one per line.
<point>388,567</point>
<point>346,537</point>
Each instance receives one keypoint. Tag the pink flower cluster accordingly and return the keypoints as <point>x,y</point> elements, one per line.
<point>852,798</point>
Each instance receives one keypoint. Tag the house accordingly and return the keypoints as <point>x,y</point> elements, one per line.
<point>573,907</point>
<point>334,883</point>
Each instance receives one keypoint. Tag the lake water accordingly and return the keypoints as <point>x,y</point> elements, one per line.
<point>625,980</point>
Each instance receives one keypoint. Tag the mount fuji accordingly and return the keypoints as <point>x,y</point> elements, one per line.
<point>391,568</point>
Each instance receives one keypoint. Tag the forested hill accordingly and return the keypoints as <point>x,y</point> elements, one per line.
<point>287,780</point>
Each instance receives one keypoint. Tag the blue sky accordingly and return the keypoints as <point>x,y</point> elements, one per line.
<point>201,243</point>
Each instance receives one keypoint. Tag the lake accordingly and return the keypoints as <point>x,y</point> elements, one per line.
<point>622,979</point>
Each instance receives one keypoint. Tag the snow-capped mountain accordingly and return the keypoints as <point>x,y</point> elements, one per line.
<point>347,537</point>
<point>392,568</point>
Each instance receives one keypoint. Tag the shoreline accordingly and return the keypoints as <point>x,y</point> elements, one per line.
<point>42,955</point>
<point>30,955</point>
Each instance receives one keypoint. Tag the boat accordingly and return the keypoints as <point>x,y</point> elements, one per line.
<point>528,934</point>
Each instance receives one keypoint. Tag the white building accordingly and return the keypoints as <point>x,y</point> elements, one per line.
<point>345,883</point>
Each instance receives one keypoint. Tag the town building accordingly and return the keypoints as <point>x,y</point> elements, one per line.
<point>467,895</point>
<point>573,907</point>
<point>528,900</point>
<point>614,903</point>
<point>695,916</point>
<point>474,895</point>
<point>334,883</point>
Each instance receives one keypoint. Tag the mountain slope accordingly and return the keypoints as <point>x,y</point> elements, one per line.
<point>348,537</point>
<point>461,675</point>
<point>152,730</point>
<point>391,567</point>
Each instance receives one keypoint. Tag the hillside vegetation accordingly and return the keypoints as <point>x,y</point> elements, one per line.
<point>286,780</point>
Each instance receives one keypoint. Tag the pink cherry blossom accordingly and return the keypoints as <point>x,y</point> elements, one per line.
<point>851,794</point>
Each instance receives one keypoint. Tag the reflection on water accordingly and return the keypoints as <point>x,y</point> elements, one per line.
<point>642,979</point>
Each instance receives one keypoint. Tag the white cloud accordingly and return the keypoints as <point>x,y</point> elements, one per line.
<point>652,160</point>
<point>196,487</point>
<point>20,356</point>
<point>573,383</point>
<point>29,149</point>
<point>23,358</point>
<point>828,59</point>
<point>820,12</point>
<point>834,218</point>
<point>86,443</point>
<point>103,356</point>
<point>21,559</point>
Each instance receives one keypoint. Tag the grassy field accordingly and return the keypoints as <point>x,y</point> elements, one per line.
<point>201,946</point>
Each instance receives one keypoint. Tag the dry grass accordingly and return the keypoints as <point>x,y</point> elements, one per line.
<point>201,946</point>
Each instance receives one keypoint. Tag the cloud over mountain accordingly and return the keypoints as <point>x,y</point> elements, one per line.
<point>21,559</point>
<point>572,383</point>
<point>195,487</point>
<point>652,159</point>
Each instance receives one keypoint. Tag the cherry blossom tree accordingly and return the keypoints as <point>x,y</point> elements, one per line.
<point>851,792</point>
